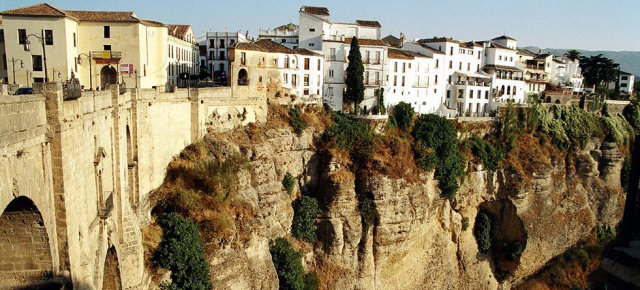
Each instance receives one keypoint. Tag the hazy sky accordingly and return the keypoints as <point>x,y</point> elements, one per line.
<point>584,24</point>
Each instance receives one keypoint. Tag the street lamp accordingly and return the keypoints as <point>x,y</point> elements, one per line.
<point>90,72</point>
<point>13,63</point>
<point>27,47</point>
<point>54,74</point>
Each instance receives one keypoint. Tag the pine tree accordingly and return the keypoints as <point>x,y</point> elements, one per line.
<point>354,93</point>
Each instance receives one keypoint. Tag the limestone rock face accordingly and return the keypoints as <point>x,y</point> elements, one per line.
<point>418,240</point>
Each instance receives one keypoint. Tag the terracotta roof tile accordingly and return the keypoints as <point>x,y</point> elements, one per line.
<point>322,11</point>
<point>370,23</point>
<point>423,45</point>
<point>392,40</point>
<point>103,16</point>
<point>398,54</point>
<point>365,41</point>
<point>304,51</point>
<point>42,9</point>
<point>178,30</point>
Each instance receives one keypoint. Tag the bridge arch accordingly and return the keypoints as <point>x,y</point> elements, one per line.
<point>111,279</point>
<point>25,252</point>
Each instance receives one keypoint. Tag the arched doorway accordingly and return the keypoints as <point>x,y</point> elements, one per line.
<point>108,76</point>
<point>25,253</point>
<point>111,277</point>
<point>243,78</point>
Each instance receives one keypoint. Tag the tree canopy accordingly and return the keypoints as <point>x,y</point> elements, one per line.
<point>354,93</point>
<point>598,70</point>
<point>573,54</point>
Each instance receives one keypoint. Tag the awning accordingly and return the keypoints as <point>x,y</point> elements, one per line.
<point>480,75</point>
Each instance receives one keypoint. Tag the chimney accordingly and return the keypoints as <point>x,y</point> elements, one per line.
<point>402,39</point>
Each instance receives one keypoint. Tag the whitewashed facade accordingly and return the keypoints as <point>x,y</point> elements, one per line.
<point>183,54</point>
<point>218,44</point>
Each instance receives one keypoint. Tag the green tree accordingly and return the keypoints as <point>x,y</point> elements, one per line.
<point>304,218</point>
<point>182,253</point>
<point>289,183</point>
<point>403,114</point>
<point>354,93</point>
<point>436,147</point>
<point>288,263</point>
<point>573,54</point>
<point>482,231</point>
<point>598,70</point>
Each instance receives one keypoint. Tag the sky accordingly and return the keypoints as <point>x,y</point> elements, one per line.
<point>581,24</point>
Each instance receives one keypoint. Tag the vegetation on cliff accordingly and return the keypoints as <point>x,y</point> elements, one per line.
<point>182,253</point>
<point>288,264</point>
<point>305,212</point>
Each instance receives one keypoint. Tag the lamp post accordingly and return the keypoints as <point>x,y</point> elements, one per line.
<point>90,71</point>
<point>13,63</point>
<point>27,47</point>
<point>54,74</point>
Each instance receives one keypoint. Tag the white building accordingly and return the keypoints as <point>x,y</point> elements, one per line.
<point>507,81</point>
<point>218,44</point>
<point>183,53</point>
<point>570,77</point>
<point>408,79</point>
<point>286,35</point>
<point>318,33</point>
<point>626,82</point>
<point>4,65</point>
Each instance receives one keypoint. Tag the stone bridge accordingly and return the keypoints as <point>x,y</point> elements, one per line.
<point>75,176</point>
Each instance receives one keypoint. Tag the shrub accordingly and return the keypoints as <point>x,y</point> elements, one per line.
<point>182,253</point>
<point>305,212</point>
<point>486,152</point>
<point>379,107</point>
<point>289,183</point>
<point>295,120</point>
<point>219,176</point>
<point>403,114</point>
<point>311,281</point>
<point>514,250</point>
<point>606,234</point>
<point>579,125</point>
<point>354,136</point>
<point>436,147</point>
<point>367,209</point>
<point>482,231</point>
<point>632,113</point>
<point>288,264</point>
<point>465,223</point>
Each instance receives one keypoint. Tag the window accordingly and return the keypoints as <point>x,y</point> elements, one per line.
<point>107,32</point>
<point>222,56</point>
<point>623,85</point>
<point>404,67</point>
<point>332,54</point>
<point>499,57</point>
<point>377,78</point>
<point>221,43</point>
<point>448,94</point>
<point>478,67</point>
<point>486,95</point>
<point>37,62</point>
<point>624,78</point>
<point>450,64</point>
<point>436,80</point>
<point>478,55</point>
<point>2,35</point>
<point>107,47</point>
<point>318,64</point>
<point>22,36</point>
<point>286,78</point>
<point>330,91</point>
<point>377,59</point>
<point>260,79</point>
<point>74,40</point>
<point>437,63</point>
<point>75,63</point>
<point>48,37</point>
<point>306,80</point>
<point>395,80</point>
<point>312,30</point>
<point>451,51</point>
<point>306,92</point>
<point>468,66</point>
<point>243,58</point>
<point>331,73</point>
<point>306,63</point>
<point>4,60</point>
<point>511,58</point>
<point>395,67</point>
<point>366,77</point>
<point>403,81</point>
<point>460,66</point>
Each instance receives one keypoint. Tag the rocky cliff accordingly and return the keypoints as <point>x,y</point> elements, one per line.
<point>543,201</point>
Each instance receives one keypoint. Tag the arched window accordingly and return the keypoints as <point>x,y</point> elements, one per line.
<point>502,90</point>
<point>508,90</point>
<point>243,78</point>
<point>514,90</point>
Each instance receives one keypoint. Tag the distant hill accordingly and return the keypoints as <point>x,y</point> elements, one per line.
<point>629,60</point>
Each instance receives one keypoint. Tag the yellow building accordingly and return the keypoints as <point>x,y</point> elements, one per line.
<point>98,47</point>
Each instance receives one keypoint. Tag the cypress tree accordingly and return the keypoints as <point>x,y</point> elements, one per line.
<point>355,70</point>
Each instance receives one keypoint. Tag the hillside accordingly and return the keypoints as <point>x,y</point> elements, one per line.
<point>629,60</point>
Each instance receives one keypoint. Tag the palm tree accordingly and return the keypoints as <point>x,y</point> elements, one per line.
<point>573,54</point>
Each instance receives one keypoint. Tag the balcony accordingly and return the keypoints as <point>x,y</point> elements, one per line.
<point>472,83</point>
<point>106,54</point>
